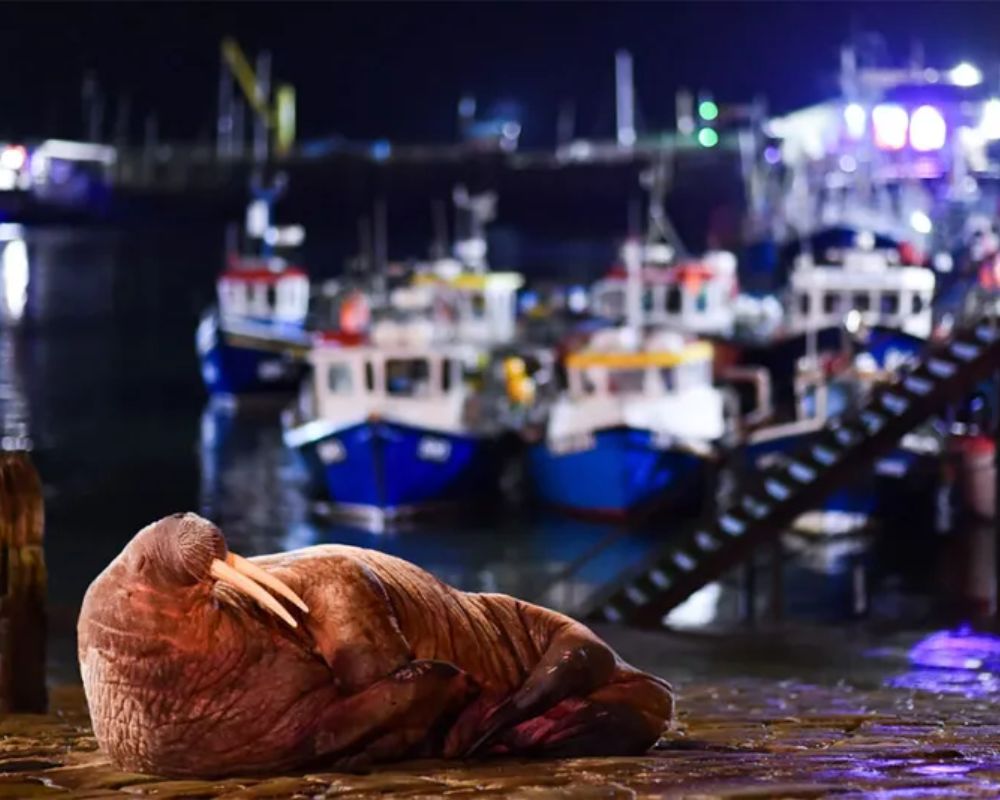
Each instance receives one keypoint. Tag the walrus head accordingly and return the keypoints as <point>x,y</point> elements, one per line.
<point>182,556</point>
<point>166,618</point>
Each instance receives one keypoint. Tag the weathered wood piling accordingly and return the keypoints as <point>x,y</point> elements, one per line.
<point>22,586</point>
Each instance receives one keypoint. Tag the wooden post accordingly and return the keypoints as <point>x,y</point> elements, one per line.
<point>22,587</point>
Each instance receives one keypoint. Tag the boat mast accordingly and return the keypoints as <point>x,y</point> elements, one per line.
<point>632,253</point>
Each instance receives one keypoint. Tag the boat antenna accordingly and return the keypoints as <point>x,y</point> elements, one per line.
<point>439,220</point>
<point>660,228</point>
<point>632,253</point>
<point>380,249</point>
<point>364,263</point>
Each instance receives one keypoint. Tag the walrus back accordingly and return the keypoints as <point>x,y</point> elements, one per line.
<point>496,638</point>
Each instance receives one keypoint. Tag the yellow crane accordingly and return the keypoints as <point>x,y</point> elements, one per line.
<point>279,117</point>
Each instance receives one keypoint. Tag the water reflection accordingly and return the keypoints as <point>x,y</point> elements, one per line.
<point>255,490</point>
<point>960,662</point>
<point>14,275</point>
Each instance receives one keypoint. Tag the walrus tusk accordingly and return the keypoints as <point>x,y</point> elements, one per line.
<point>221,571</point>
<point>255,573</point>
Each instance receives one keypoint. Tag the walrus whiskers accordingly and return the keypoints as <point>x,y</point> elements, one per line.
<point>222,571</point>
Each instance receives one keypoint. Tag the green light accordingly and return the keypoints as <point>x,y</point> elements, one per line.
<point>708,110</point>
<point>707,137</point>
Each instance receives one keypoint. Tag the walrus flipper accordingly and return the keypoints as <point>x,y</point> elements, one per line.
<point>574,664</point>
<point>401,714</point>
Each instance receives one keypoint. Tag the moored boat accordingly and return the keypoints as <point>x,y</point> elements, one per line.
<point>633,428</point>
<point>249,343</point>
<point>391,429</point>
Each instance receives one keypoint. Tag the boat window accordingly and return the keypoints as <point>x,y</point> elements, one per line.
<point>610,303</point>
<point>918,303</point>
<point>408,377</point>
<point>668,378</point>
<point>272,298</point>
<point>804,303</point>
<point>862,301</point>
<point>626,381</point>
<point>831,303</point>
<point>338,378</point>
<point>701,299</point>
<point>674,299</point>
<point>647,300</point>
<point>890,303</point>
<point>369,376</point>
<point>447,366</point>
<point>477,304</point>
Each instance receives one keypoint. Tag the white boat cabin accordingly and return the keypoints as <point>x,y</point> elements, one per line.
<point>403,376</point>
<point>694,297</point>
<point>867,282</point>
<point>470,307</point>
<point>663,385</point>
<point>261,293</point>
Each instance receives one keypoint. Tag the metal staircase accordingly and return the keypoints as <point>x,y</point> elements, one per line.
<point>775,497</point>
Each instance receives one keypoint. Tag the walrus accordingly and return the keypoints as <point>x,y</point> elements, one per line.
<point>198,662</point>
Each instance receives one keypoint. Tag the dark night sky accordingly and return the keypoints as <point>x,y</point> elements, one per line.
<point>396,70</point>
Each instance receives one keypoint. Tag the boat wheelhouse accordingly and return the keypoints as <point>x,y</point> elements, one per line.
<point>478,308</point>
<point>391,428</point>
<point>695,296</point>
<point>869,283</point>
<point>248,343</point>
<point>632,428</point>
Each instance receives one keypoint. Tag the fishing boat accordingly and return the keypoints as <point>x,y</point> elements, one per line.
<point>248,343</point>
<point>694,295</point>
<point>871,287</point>
<point>467,299</point>
<point>252,340</point>
<point>391,429</point>
<point>679,290</point>
<point>847,290</point>
<point>471,307</point>
<point>633,428</point>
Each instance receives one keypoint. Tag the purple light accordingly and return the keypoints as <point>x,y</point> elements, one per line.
<point>772,155</point>
<point>928,130</point>
<point>890,123</point>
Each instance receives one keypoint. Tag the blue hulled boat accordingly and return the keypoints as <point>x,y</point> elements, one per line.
<point>633,427</point>
<point>248,343</point>
<point>390,429</point>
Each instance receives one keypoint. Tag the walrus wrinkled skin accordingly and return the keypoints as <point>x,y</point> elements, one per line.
<point>186,675</point>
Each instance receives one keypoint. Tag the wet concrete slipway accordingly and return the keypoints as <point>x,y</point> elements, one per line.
<point>98,377</point>
<point>761,714</point>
